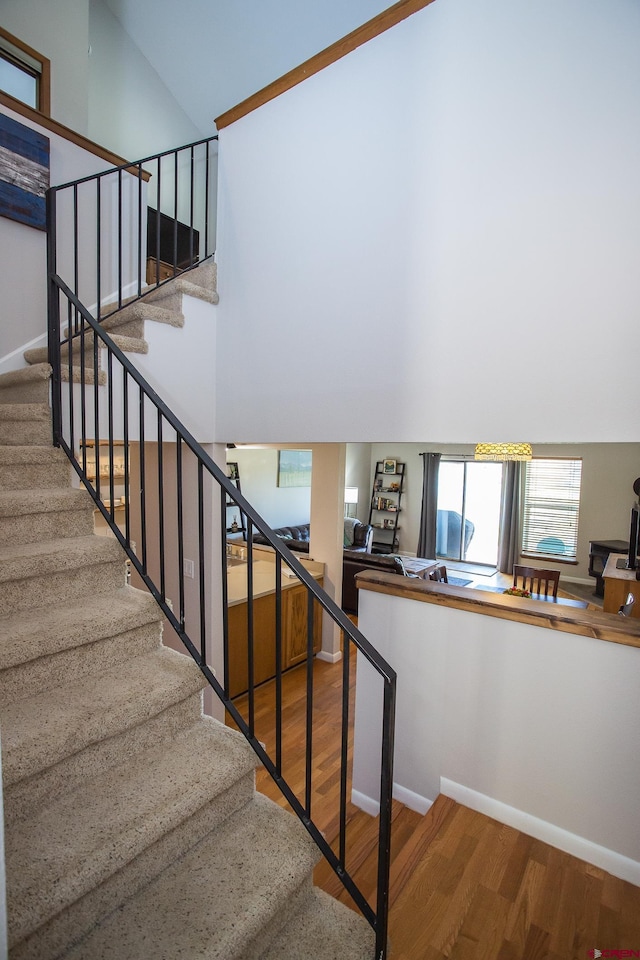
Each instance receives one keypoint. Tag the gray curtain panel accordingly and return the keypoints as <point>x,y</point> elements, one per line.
<point>509,536</point>
<point>429,514</point>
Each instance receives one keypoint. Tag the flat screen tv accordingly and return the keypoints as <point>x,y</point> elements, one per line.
<point>631,563</point>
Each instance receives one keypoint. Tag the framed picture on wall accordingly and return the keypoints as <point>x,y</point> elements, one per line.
<point>389,466</point>
<point>294,468</point>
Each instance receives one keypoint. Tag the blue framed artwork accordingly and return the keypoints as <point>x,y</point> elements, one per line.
<point>24,173</point>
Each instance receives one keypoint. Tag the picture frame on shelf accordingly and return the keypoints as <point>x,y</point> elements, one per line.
<point>389,466</point>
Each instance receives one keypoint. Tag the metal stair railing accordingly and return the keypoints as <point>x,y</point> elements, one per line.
<point>171,483</point>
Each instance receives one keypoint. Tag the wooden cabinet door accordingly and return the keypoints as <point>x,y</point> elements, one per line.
<point>294,625</point>
<point>264,644</point>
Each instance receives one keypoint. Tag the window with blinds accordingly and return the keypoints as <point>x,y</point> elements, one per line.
<point>551,508</point>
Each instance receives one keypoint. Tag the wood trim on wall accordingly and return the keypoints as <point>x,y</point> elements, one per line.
<point>67,134</point>
<point>373,28</point>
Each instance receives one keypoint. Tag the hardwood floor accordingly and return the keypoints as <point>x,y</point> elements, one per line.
<point>463,885</point>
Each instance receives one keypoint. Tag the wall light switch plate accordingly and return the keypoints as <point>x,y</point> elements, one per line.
<point>189,568</point>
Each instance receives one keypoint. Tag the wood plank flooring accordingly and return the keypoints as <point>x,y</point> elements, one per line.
<point>463,886</point>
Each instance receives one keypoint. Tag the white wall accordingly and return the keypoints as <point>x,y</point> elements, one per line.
<point>23,279</point>
<point>608,473</point>
<point>279,506</point>
<point>59,30</point>
<point>131,111</point>
<point>442,228</point>
<point>533,726</point>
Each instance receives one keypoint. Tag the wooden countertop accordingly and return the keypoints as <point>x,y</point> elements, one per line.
<point>566,619</point>
<point>611,570</point>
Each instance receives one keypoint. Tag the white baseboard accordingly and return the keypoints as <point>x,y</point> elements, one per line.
<point>329,657</point>
<point>15,360</point>
<point>361,800</point>
<point>609,860</point>
<point>410,799</point>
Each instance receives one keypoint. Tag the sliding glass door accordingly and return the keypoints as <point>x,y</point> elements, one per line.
<point>468,511</point>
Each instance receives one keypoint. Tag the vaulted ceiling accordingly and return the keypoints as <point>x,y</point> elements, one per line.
<point>212,54</point>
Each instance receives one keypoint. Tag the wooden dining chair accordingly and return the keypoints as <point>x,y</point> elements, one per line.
<point>536,580</point>
<point>439,574</point>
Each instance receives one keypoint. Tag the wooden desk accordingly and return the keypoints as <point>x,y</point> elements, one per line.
<point>619,583</point>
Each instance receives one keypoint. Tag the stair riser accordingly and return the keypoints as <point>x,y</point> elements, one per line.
<point>68,925</point>
<point>24,796</point>
<point>25,433</point>
<point>51,588</point>
<point>125,327</point>
<point>257,948</point>
<point>82,661</point>
<point>34,476</point>
<point>35,527</point>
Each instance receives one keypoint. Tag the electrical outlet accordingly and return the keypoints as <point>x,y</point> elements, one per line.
<point>189,569</point>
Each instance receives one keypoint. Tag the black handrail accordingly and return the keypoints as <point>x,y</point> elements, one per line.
<point>106,403</point>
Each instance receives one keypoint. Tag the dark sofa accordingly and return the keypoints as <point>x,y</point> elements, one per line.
<point>355,562</point>
<point>297,537</point>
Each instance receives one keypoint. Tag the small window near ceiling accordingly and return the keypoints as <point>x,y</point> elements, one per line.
<point>551,508</point>
<point>24,73</point>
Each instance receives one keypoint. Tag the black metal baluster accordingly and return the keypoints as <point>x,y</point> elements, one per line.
<point>250,647</point>
<point>112,509</point>
<point>98,247</point>
<point>158,196</point>
<point>386,796</point>
<point>140,261</point>
<point>309,721</point>
<point>225,589</point>
<point>119,239</point>
<point>53,317</point>
<point>175,212</point>
<point>344,745</point>
<point>96,410</point>
<point>202,582</point>
<point>180,527</point>
<point>161,505</point>
<point>75,259</point>
<point>70,373</point>
<point>279,665</point>
<point>191,209</point>
<point>143,496</point>
<point>206,202</point>
<point>125,440</point>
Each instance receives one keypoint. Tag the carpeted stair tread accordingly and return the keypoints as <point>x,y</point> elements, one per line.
<point>43,730</point>
<point>40,371</point>
<point>30,634</point>
<point>24,502</point>
<point>222,901</point>
<point>126,344</point>
<point>141,310</point>
<point>28,384</point>
<point>55,857</point>
<point>321,931</point>
<point>32,455</point>
<point>54,556</point>
<point>32,467</point>
<point>23,412</point>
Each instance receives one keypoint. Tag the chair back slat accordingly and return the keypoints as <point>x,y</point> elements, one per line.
<point>537,580</point>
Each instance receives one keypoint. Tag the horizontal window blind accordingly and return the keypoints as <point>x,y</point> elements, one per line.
<point>551,508</point>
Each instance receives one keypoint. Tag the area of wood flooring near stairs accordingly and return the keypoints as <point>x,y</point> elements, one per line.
<point>462,885</point>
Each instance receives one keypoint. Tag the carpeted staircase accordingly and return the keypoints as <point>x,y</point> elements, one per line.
<point>133,829</point>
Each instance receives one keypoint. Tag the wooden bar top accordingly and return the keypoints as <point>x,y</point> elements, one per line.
<point>566,619</point>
